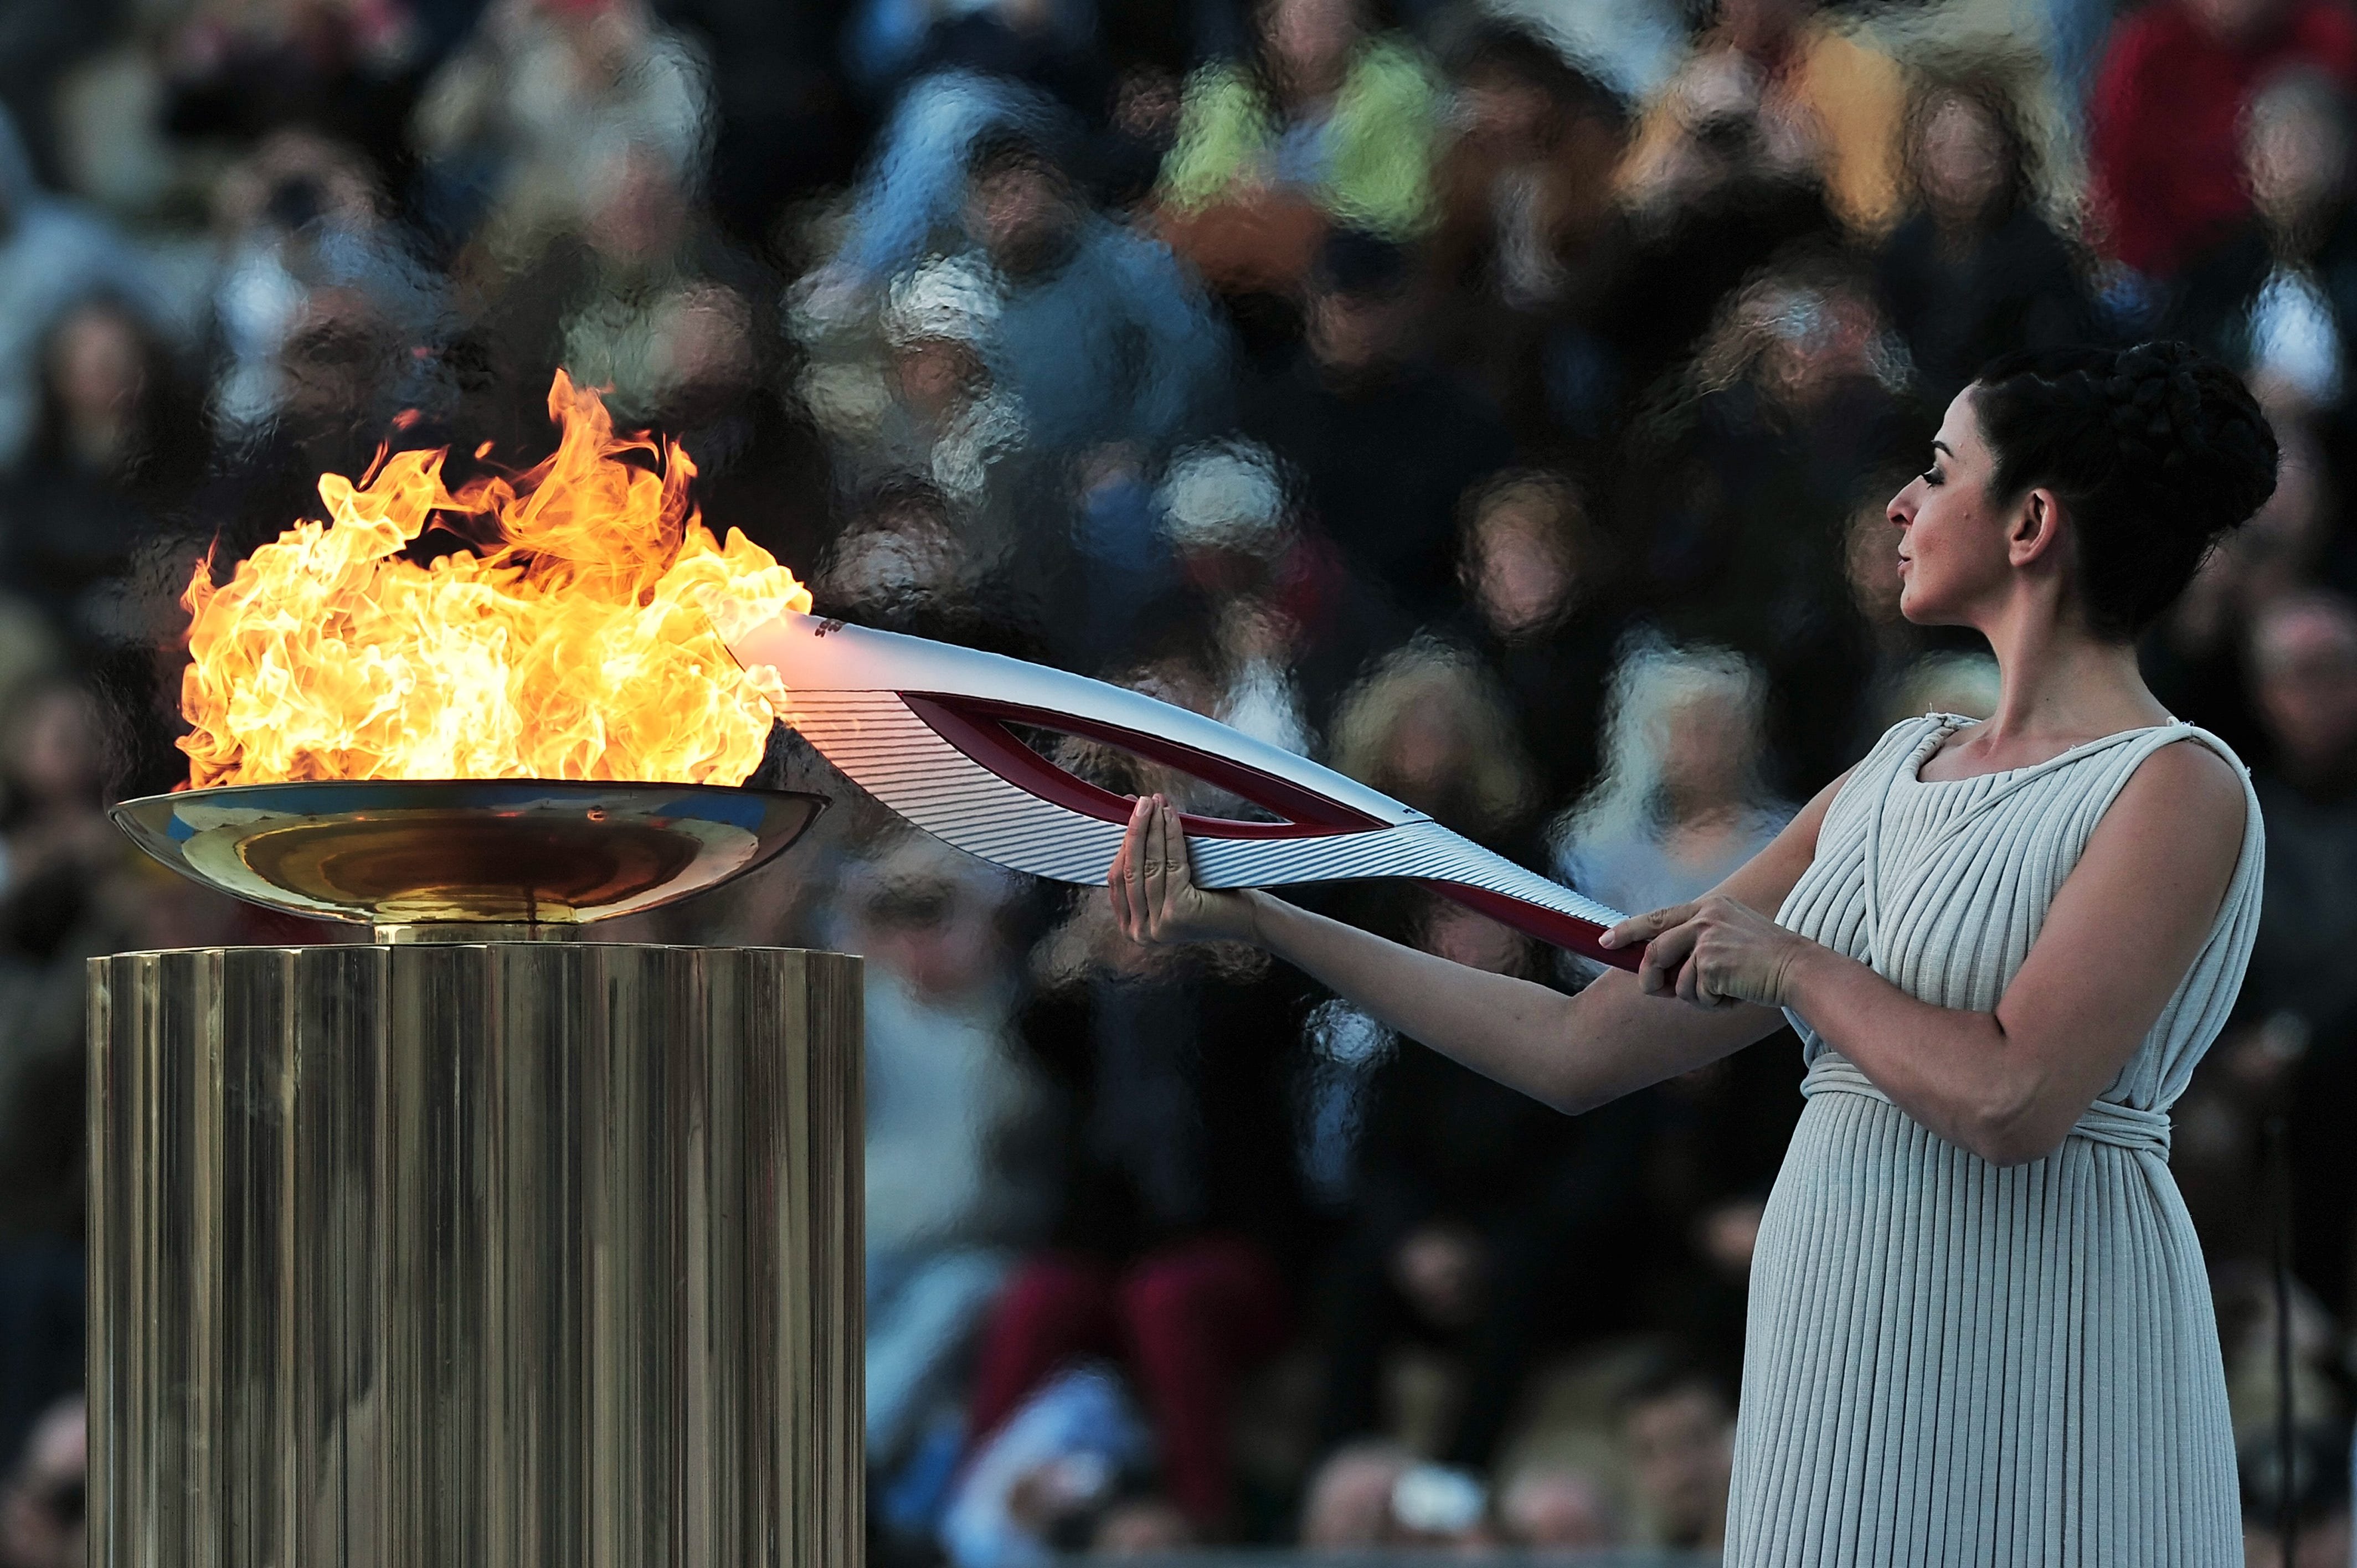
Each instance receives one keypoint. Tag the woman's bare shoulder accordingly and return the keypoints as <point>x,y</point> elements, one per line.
<point>2173,832</point>
<point>2186,782</point>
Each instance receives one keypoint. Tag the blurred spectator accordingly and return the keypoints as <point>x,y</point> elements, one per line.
<point>788,127</point>
<point>906,203</point>
<point>2253,1312</point>
<point>1819,101</point>
<point>30,650</point>
<point>118,448</point>
<point>317,300</point>
<point>2196,659</point>
<point>243,70</point>
<point>41,1511</point>
<point>612,297</point>
<point>1973,271</point>
<point>1554,1508</point>
<point>935,412</point>
<point>1440,1506</point>
<point>1289,625</point>
<point>1475,1211</point>
<point>955,1149</point>
<point>1098,331</point>
<point>1127,159</point>
<point>59,906</point>
<point>1681,803</point>
<point>1051,1475</point>
<point>1525,194</point>
<point>2301,1062</point>
<point>1324,121</point>
<point>2176,79</point>
<point>2311,1493</point>
<point>950,418</point>
<point>53,255</point>
<point>525,120</point>
<point>1722,1135</point>
<point>1428,727</point>
<point>1374,1493</point>
<point>1679,1427</point>
<point>650,300</point>
<point>1181,1215</point>
<point>56,837</point>
<point>1538,576</point>
<point>902,556</point>
<point>1709,198</point>
<point>2273,296</point>
<point>2304,665</point>
<point>1744,485</point>
<point>1349,1503</point>
<point>1385,444</point>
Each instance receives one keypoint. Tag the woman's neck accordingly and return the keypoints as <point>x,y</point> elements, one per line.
<point>2061,684</point>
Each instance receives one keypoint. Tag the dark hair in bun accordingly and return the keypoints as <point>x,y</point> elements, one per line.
<point>2158,451</point>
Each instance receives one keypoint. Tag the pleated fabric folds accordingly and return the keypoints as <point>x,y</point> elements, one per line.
<point>1947,1363</point>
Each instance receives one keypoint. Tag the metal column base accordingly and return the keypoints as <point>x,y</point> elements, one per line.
<point>475,1255</point>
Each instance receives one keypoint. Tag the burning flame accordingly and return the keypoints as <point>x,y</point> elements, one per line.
<point>582,645</point>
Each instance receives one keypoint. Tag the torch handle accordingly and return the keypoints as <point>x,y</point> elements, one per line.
<point>1551,926</point>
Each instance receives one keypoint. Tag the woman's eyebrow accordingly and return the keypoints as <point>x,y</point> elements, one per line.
<point>1940,445</point>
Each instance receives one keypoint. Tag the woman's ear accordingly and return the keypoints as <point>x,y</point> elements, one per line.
<point>2034,531</point>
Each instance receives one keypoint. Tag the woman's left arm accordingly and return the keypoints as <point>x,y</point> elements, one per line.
<point>2124,928</point>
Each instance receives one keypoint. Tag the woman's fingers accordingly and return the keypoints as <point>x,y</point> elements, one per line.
<point>1128,910</point>
<point>1689,989</point>
<point>1152,876</point>
<point>1646,926</point>
<point>1178,870</point>
<point>1657,973</point>
<point>1179,867</point>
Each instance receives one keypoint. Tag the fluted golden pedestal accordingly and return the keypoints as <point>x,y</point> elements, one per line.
<point>474,1254</point>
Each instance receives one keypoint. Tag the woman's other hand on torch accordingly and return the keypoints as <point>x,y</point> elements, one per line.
<point>1714,953</point>
<point>1152,884</point>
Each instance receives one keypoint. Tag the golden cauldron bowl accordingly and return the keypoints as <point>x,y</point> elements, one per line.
<point>448,858</point>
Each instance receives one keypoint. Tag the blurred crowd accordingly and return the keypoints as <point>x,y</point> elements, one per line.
<point>1496,399</point>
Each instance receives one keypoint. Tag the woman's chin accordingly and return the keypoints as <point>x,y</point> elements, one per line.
<point>1916,610</point>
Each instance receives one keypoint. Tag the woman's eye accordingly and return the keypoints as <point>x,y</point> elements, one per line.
<point>1932,475</point>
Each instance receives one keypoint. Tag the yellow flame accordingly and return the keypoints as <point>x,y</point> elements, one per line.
<point>581,646</point>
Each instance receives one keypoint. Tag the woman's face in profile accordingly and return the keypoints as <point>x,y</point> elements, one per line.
<point>1951,541</point>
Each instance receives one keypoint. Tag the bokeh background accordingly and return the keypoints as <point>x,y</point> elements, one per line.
<point>1496,399</point>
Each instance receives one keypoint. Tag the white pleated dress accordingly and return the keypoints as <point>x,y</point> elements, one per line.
<point>1946,1363</point>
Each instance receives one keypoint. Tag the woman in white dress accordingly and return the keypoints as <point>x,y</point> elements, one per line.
<point>1980,1330</point>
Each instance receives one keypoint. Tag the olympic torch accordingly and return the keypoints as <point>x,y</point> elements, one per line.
<point>924,727</point>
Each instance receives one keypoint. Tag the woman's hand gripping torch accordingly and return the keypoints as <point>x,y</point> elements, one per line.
<point>923,726</point>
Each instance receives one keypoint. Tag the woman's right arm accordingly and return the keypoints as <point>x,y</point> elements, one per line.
<point>1571,1052</point>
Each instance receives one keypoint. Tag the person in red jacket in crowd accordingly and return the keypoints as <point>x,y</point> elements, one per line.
<point>2162,125</point>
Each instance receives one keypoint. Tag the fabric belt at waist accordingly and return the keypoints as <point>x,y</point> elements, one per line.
<point>2123,1126</point>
